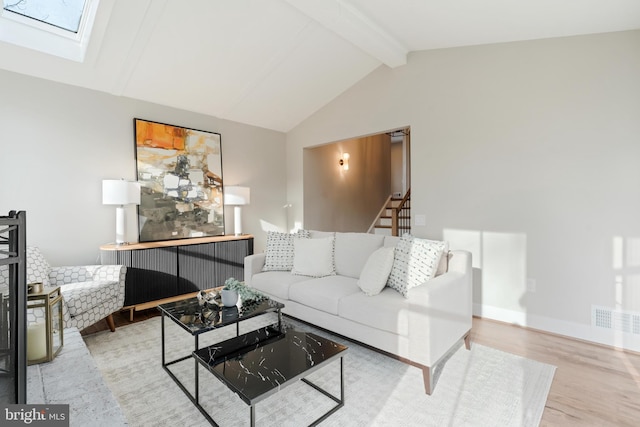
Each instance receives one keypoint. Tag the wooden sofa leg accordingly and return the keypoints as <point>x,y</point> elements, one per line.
<point>111,323</point>
<point>467,341</point>
<point>428,380</point>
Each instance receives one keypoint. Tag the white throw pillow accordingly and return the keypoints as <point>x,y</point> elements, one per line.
<point>414,263</point>
<point>375,273</point>
<point>313,257</point>
<point>279,250</point>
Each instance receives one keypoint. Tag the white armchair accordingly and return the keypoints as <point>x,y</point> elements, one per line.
<point>90,293</point>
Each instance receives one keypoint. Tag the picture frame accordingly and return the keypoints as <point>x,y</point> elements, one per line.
<point>180,174</point>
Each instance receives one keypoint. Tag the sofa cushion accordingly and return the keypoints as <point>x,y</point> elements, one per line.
<point>323,293</point>
<point>388,311</point>
<point>374,275</point>
<point>275,283</point>
<point>415,262</point>
<point>279,250</point>
<point>314,257</point>
<point>81,297</point>
<point>353,250</point>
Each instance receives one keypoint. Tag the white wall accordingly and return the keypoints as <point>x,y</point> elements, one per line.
<point>59,142</point>
<point>527,154</point>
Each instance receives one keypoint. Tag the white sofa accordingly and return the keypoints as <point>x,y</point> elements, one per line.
<point>420,329</point>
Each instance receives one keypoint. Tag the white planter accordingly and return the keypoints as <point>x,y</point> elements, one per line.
<point>229,297</point>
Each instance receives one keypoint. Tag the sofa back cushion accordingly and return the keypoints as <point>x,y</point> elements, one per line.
<point>352,251</point>
<point>315,234</point>
<point>391,241</point>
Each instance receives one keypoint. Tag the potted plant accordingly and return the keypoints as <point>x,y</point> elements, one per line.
<point>236,289</point>
<point>229,292</point>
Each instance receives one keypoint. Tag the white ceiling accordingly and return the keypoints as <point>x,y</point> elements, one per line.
<point>273,63</point>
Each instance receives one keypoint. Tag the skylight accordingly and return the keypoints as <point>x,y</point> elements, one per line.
<point>56,27</point>
<point>63,14</point>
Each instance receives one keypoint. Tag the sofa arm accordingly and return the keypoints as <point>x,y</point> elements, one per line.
<point>440,311</point>
<point>253,264</point>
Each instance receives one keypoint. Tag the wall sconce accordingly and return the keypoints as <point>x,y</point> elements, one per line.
<point>344,161</point>
<point>120,193</point>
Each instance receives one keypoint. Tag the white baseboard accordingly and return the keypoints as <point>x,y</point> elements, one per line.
<point>561,327</point>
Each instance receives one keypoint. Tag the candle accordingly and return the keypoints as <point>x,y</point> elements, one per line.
<point>36,341</point>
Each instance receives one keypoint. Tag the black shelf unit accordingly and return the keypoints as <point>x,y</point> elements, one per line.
<point>159,270</point>
<point>13,309</point>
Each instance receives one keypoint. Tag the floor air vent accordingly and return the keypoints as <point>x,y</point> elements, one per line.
<point>618,320</point>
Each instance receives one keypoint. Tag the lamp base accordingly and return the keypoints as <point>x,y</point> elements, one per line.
<point>237,220</point>
<point>121,226</point>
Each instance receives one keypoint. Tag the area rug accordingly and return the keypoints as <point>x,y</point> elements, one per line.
<point>480,387</point>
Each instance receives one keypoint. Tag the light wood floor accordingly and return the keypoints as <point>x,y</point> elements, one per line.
<point>593,385</point>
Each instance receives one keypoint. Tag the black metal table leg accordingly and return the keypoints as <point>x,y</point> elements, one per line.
<point>162,322</point>
<point>197,378</point>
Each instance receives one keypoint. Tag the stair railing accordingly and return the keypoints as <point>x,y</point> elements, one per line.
<point>380,213</point>
<point>399,221</point>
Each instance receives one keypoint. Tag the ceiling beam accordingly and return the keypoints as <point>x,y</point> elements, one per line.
<point>347,21</point>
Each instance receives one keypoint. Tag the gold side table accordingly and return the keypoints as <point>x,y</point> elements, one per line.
<point>44,325</point>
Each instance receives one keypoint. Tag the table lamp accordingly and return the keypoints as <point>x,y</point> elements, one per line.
<point>121,193</point>
<point>237,196</point>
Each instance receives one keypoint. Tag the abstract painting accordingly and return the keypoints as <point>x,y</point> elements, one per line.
<point>180,175</point>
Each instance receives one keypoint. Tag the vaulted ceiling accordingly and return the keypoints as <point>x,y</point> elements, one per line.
<point>273,63</point>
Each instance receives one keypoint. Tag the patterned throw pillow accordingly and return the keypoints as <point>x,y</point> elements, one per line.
<point>279,250</point>
<point>415,262</point>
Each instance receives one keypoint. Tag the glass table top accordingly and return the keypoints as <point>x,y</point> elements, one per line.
<point>197,317</point>
<point>259,363</point>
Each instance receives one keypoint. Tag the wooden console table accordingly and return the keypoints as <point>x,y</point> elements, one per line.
<point>159,272</point>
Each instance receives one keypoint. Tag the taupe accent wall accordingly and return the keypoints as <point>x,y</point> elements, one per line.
<point>346,200</point>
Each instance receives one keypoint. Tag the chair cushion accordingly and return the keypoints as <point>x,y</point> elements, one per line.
<point>37,270</point>
<point>37,266</point>
<point>81,297</point>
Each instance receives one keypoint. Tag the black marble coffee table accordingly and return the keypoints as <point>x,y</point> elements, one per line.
<point>260,363</point>
<point>196,319</point>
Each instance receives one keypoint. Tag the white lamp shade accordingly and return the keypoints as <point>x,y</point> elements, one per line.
<point>237,196</point>
<point>120,192</point>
